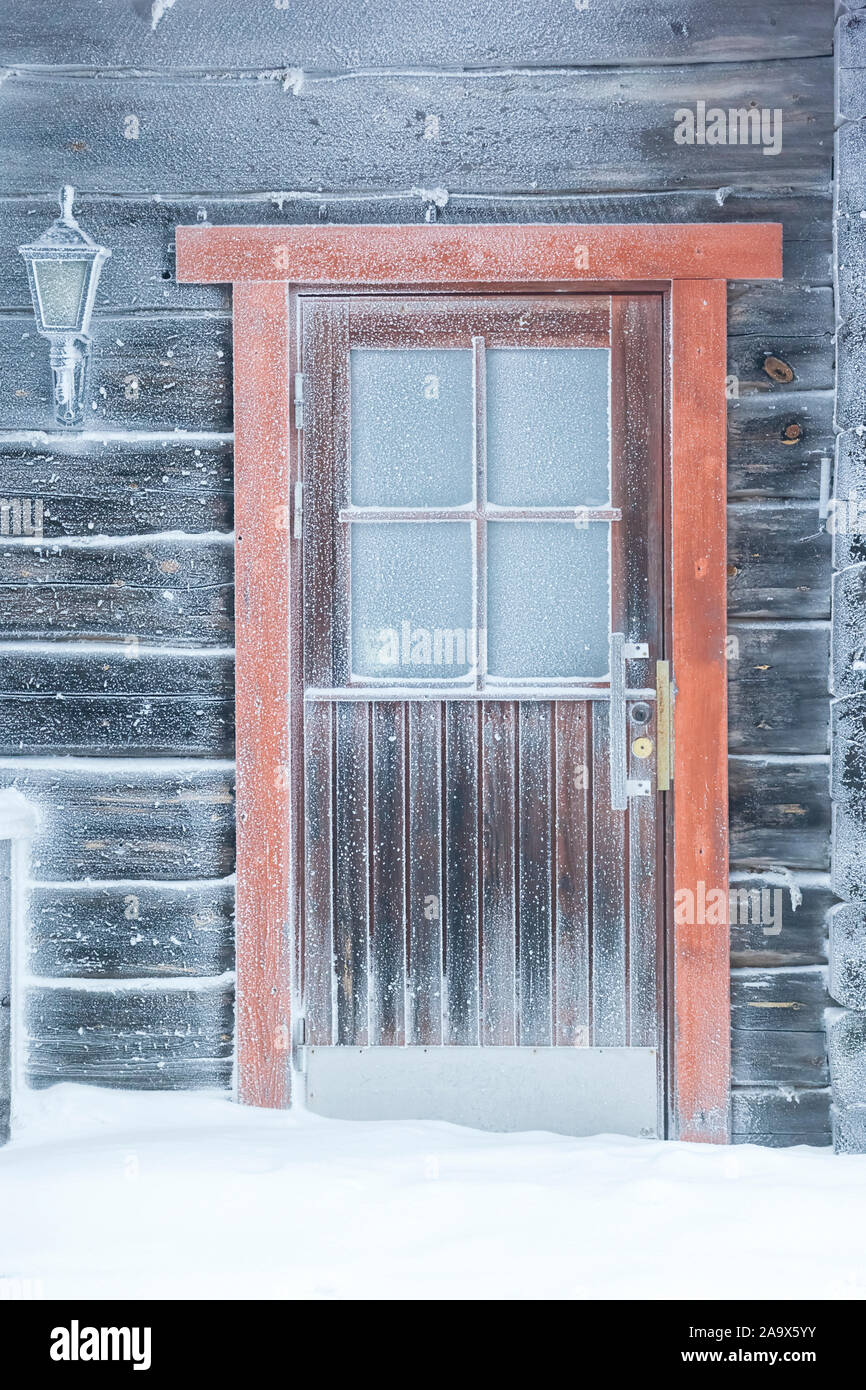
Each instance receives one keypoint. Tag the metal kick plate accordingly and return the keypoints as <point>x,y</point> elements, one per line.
<point>568,1090</point>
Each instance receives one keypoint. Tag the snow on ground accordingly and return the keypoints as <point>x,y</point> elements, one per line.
<point>133,1195</point>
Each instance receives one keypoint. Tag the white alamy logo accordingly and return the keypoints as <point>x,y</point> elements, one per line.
<point>740,125</point>
<point>76,1343</point>
<point>421,646</point>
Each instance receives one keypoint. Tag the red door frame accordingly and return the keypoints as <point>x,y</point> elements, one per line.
<point>691,264</point>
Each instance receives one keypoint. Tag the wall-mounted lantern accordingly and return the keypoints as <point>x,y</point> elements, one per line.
<point>64,267</point>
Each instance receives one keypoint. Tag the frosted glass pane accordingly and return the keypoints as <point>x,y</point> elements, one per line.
<point>548,427</point>
<point>548,599</point>
<point>412,423</point>
<point>61,285</point>
<point>412,599</point>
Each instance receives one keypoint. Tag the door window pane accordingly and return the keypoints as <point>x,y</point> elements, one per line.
<point>412,427</point>
<point>548,599</point>
<point>548,427</point>
<point>412,600</point>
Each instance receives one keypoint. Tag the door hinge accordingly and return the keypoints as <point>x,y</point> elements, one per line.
<point>299,400</point>
<point>635,651</point>
<point>298,512</point>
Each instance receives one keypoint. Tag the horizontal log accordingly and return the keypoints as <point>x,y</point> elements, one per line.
<point>463,33</point>
<point>792,310</point>
<point>778,561</point>
<point>809,358</point>
<point>110,820</point>
<point>784,1001</point>
<point>131,930</point>
<point>94,612</point>
<point>810,1137</point>
<point>92,725</point>
<point>176,590</point>
<point>803,909</point>
<point>779,813</point>
<point>778,699</point>
<point>128,487</point>
<point>774,330</point>
<point>130,699</point>
<point>780,1116</point>
<point>151,372</point>
<point>114,670</point>
<point>145,1039</point>
<point>776,443</point>
<point>121,486</point>
<point>767,1058</point>
<point>104,819</point>
<point>116,700</point>
<point>141,232</point>
<point>595,130</point>
<point>139,386</point>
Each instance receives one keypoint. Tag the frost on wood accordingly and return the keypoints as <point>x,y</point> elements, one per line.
<point>849,631</point>
<point>848,788</point>
<point>847,979</point>
<point>846,1045</point>
<point>847,519</point>
<point>847,1027</point>
<point>5,987</point>
<point>151,1038</point>
<point>849,1129</point>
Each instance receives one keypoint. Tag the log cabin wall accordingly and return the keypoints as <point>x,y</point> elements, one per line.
<point>116,679</point>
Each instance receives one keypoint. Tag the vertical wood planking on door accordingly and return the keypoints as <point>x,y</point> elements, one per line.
<point>388,876</point>
<point>425,887</point>
<point>535,917</point>
<point>461,914</point>
<point>319,860</point>
<point>351,917</point>
<point>608,895</point>
<point>498,897</point>
<point>572,859</point>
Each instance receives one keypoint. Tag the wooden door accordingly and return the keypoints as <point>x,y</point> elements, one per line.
<point>483,608</point>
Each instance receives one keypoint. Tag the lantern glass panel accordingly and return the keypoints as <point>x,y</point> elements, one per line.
<point>62,286</point>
